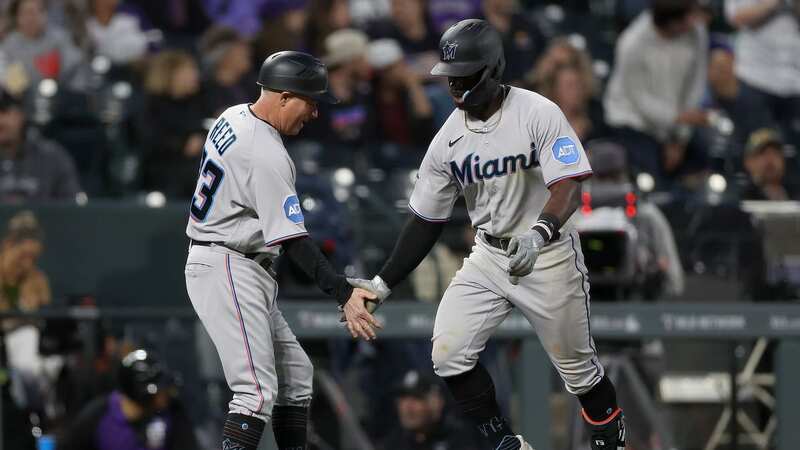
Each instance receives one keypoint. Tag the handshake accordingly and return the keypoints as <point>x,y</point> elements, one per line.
<point>357,312</point>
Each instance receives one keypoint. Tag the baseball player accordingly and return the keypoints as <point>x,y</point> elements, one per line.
<point>517,162</point>
<point>244,211</point>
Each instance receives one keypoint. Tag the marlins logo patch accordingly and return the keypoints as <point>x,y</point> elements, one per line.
<point>449,51</point>
<point>292,210</point>
<point>566,151</point>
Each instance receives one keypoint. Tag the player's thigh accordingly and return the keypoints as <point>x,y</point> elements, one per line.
<point>467,316</point>
<point>292,364</point>
<point>555,300</point>
<point>231,301</point>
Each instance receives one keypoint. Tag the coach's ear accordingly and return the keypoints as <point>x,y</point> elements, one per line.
<point>285,96</point>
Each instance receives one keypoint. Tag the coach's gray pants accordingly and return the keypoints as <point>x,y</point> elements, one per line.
<point>235,299</point>
<point>554,299</point>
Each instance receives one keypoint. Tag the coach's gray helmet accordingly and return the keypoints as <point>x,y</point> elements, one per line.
<point>468,47</point>
<point>298,73</point>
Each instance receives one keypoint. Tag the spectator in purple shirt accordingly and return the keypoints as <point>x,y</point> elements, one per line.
<point>143,413</point>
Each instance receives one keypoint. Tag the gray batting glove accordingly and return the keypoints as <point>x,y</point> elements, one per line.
<point>523,251</point>
<point>377,286</point>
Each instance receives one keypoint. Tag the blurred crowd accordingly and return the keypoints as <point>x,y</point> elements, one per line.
<point>113,99</point>
<point>110,98</point>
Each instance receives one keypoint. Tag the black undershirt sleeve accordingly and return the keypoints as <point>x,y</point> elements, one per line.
<point>415,241</point>
<point>313,262</point>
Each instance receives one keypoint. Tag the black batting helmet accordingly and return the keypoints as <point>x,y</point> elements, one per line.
<point>298,73</point>
<point>465,49</point>
<point>142,376</point>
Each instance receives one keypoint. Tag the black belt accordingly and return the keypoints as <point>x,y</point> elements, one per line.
<point>496,242</point>
<point>266,263</point>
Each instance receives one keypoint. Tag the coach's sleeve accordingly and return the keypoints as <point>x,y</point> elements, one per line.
<point>561,154</point>
<point>277,203</point>
<point>435,191</point>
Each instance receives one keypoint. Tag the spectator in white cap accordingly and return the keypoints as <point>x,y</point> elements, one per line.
<point>404,111</point>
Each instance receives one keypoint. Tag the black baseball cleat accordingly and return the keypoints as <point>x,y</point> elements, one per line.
<point>608,434</point>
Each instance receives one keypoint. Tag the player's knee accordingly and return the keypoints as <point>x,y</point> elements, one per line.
<point>579,380</point>
<point>449,359</point>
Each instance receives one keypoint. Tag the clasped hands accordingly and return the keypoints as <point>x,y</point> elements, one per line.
<point>357,312</point>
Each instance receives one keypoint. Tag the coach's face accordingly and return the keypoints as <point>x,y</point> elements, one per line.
<point>296,112</point>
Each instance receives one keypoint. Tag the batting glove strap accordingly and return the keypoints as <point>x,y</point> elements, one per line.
<point>376,285</point>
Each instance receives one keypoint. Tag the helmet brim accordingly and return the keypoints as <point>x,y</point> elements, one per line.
<point>324,97</point>
<point>457,69</point>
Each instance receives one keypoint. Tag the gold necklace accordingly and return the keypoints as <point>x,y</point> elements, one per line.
<point>487,128</point>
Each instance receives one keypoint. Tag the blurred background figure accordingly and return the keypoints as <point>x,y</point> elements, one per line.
<point>175,140</point>
<point>655,89</point>
<point>434,273</point>
<point>181,21</point>
<point>35,50</point>
<point>522,39</point>
<point>765,164</point>
<point>115,34</point>
<point>767,49</point>
<point>404,113</point>
<point>409,25</point>
<point>727,93</point>
<point>445,13</point>
<point>227,63</point>
<point>423,422</point>
<point>628,243</point>
<point>24,285</point>
<point>564,75</point>
<point>283,28</point>
<point>143,412</point>
<point>324,18</point>
<point>32,168</point>
<point>24,288</point>
<point>345,126</point>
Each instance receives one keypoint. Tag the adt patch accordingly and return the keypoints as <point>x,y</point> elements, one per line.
<point>292,210</point>
<point>566,151</point>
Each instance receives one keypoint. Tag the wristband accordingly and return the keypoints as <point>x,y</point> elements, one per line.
<point>548,226</point>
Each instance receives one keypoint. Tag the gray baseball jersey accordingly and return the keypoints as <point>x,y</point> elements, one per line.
<point>503,174</point>
<point>245,203</point>
<point>246,196</point>
<point>503,168</point>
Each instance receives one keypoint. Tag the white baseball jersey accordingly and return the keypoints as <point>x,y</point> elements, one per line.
<point>245,196</point>
<point>504,172</point>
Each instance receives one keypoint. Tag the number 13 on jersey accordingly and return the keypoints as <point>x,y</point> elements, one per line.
<point>211,175</point>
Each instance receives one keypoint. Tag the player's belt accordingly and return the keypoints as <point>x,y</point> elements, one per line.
<point>496,242</point>
<point>265,262</point>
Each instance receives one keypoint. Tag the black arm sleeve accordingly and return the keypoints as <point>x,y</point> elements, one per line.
<point>415,241</point>
<point>310,259</point>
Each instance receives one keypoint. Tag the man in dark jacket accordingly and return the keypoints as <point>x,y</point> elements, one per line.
<point>423,424</point>
<point>31,168</point>
<point>142,414</point>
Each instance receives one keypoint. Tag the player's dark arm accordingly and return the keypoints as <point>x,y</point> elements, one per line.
<point>415,241</point>
<point>565,196</point>
<point>305,253</point>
